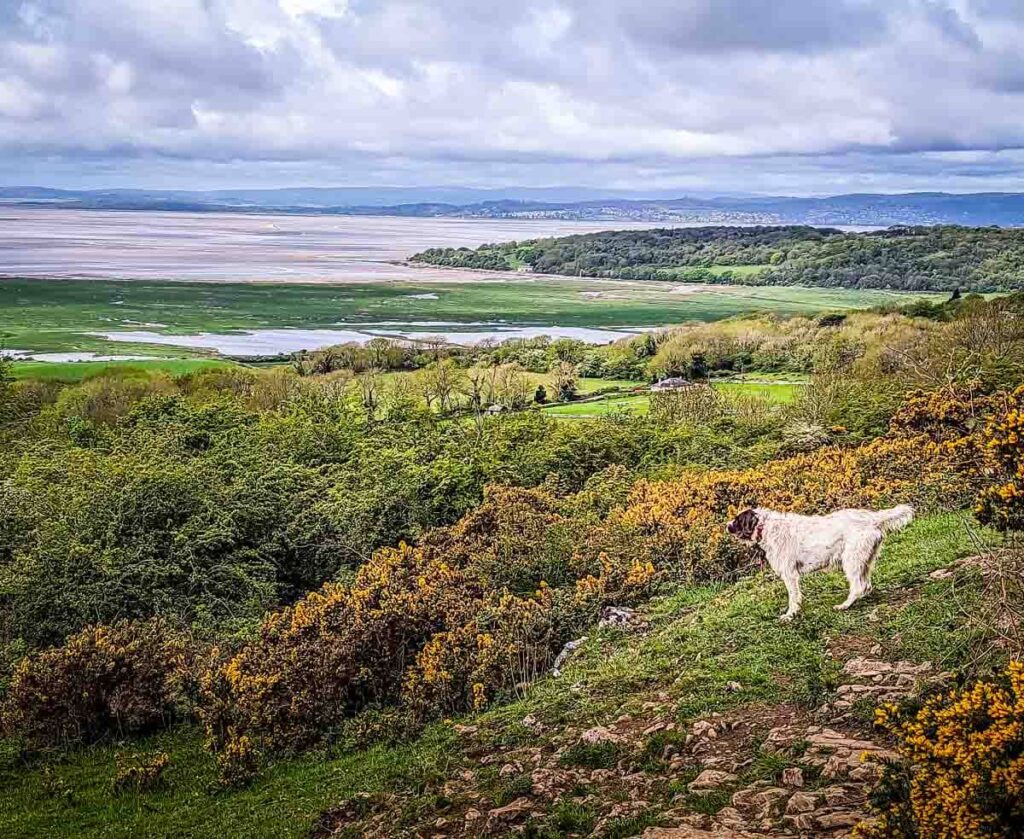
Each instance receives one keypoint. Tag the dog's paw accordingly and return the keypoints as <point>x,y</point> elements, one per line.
<point>842,607</point>
<point>787,617</point>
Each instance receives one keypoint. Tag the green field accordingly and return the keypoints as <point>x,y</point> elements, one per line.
<point>639,403</point>
<point>634,403</point>
<point>57,315</point>
<point>781,392</point>
<point>76,371</point>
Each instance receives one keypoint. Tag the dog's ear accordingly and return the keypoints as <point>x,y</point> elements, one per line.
<point>748,523</point>
<point>744,524</point>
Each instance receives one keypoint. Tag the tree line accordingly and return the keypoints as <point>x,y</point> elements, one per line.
<point>939,258</point>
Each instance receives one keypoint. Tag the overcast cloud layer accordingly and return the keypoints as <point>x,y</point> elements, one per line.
<point>780,96</point>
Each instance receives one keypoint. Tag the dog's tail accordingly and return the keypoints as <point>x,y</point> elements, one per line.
<point>895,518</point>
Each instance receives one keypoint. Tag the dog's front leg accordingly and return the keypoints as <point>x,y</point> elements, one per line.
<point>792,580</point>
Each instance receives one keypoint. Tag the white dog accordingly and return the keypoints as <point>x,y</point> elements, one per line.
<point>795,545</point>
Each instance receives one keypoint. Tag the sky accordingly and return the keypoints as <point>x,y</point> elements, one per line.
<point>792,97</point>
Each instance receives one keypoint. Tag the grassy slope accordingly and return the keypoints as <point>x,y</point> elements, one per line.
<point>700,638</point>
<point>635,404</point>
<point>639,404</point>
<point>775,391</point>
<point>54,315</point>
<point>76,371</point>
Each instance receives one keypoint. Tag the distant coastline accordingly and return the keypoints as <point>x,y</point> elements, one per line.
<point>857,209</point>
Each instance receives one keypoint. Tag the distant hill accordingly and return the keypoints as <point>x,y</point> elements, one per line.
<point>572,203</point>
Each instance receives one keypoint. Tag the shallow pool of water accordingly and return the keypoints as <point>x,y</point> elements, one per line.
<point>281,341</point>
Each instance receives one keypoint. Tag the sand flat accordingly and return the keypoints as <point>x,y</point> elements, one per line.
<point>235,247</point>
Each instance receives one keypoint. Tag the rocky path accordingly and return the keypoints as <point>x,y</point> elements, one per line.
<point>757,771</point>
<point>832,767</point>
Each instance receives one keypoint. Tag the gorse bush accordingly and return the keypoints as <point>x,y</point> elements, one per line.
<point>947,414</point>
<point>421,624</point>
<point>122,679</point>
<point>961,774</point>
<point>139,772</point>
<point>1002,504</point>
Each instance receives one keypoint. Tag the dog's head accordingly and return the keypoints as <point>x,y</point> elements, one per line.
<point>744,526</point>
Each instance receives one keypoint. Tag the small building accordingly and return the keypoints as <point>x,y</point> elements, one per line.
<point>495,409</point>
<point>677,383</point>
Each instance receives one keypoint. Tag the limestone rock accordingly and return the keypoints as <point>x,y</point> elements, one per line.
<point>563,656</point>
<point>801,802</point>
<point>840,818</point>
<point>712,779</point>
<point>702,728</point>
<point>509,814</point>
<point>792,776</point>
<point>599,734</point>
<point>687,832</point>
<point>510,769</point>
<point>621,617</point>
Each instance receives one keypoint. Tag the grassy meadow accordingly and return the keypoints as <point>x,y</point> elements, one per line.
<point>77,371</point>
<point>780,392</point>
<point>57,315</point>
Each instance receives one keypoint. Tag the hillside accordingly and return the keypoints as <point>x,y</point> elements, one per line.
<point>901,258</point>
<point>300,602</point>
<point>712,653</point>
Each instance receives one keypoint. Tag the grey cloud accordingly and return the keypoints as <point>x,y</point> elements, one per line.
<point>756,25</point>
<point>541,90</point>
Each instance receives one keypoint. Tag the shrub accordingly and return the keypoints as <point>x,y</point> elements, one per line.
<point>1002,504</point>
<point>944,415</point>
<point>961,773</point>
<point>334,652</point>
<point>139,772</point>
<point>124,679</point>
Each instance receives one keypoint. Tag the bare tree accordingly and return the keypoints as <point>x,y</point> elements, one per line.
<point>441,383</point>
<point>369,392</point>
<point>564,380</point>
<point>512,387</point>
<point>476,388</point>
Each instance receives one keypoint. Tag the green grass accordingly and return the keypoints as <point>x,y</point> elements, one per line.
<point>639,403</point>
<point>56,315</point>
<point>781,392</point>
<point>700,638</point>
<point>285,801</point>
<point>77,371</point>
<point>634,404</point>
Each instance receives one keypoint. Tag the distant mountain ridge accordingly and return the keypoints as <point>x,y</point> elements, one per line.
<point>564,203</point>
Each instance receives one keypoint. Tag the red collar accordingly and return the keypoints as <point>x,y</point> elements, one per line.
<point>758,531</point>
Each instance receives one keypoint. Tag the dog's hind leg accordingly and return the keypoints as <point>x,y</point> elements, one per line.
<point>858,562</point>
<point>792,580</point>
